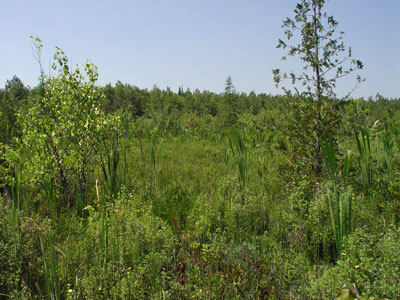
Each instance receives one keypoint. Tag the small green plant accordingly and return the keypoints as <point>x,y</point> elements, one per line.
<point>351,293</point>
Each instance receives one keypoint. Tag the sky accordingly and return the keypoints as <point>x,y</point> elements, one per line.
<point>195,44</point>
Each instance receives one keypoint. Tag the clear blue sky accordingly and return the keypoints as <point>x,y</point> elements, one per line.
<point>196,44</point>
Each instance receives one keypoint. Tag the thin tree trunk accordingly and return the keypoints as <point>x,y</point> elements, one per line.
<point>318,156</point>
<point>84,182</point>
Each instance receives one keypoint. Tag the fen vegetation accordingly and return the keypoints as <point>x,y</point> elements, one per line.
<point>118,192</point>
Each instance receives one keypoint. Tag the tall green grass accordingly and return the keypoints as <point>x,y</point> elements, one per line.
<point>103,227</point>
<point>114,166</point>
<point>340,204</point>
<point>328,154</point>
<point>388,151</point>
<point>50,273</point>
<point>16,220</point>
<point>340,208</point>
<point>239,151</point>
<point>366,163</point>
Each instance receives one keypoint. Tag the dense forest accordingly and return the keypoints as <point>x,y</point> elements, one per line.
<point>118,192</point>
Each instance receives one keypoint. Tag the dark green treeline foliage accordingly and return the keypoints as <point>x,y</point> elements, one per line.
<point>193,195</point>
<point>13,98</point>
<point>138,102</point>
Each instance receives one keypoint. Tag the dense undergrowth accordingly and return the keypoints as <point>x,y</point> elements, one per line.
<point>193,196</point>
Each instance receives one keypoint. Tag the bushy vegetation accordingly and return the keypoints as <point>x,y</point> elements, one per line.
<point>118,192</point>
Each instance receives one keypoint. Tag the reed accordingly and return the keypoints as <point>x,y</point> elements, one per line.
<point>124,164</point>
<point>239,151</point>
<point>50,274</point>
<point>364,149</point>
<point>114,166</point>
<point>154,148</point>
<point>328,154</point>
<point>103,234</point>
<point>340,207</point>
<point>388,145</point>
<point>340,204</point>
<point>15,199</point>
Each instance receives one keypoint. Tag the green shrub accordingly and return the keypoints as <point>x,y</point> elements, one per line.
<point>370,260</point>
<point>119,254</point>
<point>21,262</point>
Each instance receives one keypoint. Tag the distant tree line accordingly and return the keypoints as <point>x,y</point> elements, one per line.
<point>134,102</point>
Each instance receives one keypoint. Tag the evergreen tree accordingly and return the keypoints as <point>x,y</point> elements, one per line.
<point>230,110</point>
